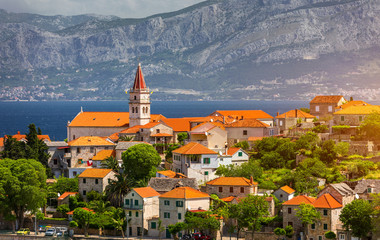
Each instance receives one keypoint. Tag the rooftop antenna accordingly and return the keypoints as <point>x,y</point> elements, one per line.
<point>81,109</point>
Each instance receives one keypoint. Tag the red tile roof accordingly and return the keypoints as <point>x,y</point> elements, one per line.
<point>245,114</point>
<point>87,209</point>
<point>90,141</point>
<point>327,201</point>
<point>247,123</point>
<point>95,173</point>
<point>228,199</point>
<point>161,135</point>
<point>2,142</point>
<point>295,114</point>
<point>287,189</point>
<point>101,119</point>
<point>194,148</point>
<point>231,181</point>
<point>178,124</point>
<point>327,99</point>
<point>251,139</point>
<point>139,79</point>
<point>19,137</point>
<point>352,103</point>
<point>185,193</point>
<point>146,192</point>
<point>67,194</point>
<point>299,199</point>
<point>167,173</point>
<point>231,151</point>
<point>149,125</point>
<point>104,154</point>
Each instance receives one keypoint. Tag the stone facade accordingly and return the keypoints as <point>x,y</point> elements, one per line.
<point>344,196</point>
<point>213,139</point>
<point>87,184</point>
<point>290,218</point>
<point>235,134</point>
<point>227,191</point>
<point>348,119</point>
<point>76,132</point>
<point>329,222</point>
<point>325,109</point>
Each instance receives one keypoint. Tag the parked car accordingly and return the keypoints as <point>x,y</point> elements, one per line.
<point>200,236</point>
<point>23,231</point>
<point>51,232</point>
<point>61,231</point>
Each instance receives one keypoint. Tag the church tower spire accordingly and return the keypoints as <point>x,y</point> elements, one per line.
<point>139,101</point>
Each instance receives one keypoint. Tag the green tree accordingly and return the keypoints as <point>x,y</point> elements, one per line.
<point>243,145</point>
<point>140,162</point>
<point>370,127</point>
<point>289,231</point>
<point>176,228</point>
<point>22,187</point>
<point>342,148</point>
<point>181,137</point>
<point>272,160</point>
<point>308,141</point>
<point>160,228</point>
<point>330,235</point>
<point>169,151</point>
<point>63,208</point>
<point>37,148</point>
<point>118,188</point>
<point>13,149</point>
<point>111,163</point>
<point>252,168</point>
<point>64,184</point>
<point>356,216</point>
<point>328,153</point>
<point>376,213</point>
<point>202,221</point>
<point>83,218</point>
<point>280,232</point>
<point>118,218</point>
<point>94,196</point>
<point>125,138</point>
<point>308,215</point>
<point>306,110</point>
<point>320,129</point>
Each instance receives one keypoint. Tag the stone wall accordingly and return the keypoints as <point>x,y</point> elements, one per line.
<point>260,236</point>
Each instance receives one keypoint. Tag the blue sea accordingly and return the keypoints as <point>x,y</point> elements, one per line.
<point>52,117</point>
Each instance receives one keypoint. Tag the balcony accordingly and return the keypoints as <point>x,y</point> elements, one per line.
<point>67,155</point>
<point>133,207</point>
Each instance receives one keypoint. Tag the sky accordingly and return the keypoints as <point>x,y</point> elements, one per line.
<point>120,8</point>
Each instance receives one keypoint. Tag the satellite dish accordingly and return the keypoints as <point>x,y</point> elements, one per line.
<point>356,196</point>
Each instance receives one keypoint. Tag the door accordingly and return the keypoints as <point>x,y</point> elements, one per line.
<point>168,235</point>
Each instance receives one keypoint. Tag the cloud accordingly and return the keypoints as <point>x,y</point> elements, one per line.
<point>120,8</point>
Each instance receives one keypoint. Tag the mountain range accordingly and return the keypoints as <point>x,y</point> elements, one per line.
<point>217,49</point>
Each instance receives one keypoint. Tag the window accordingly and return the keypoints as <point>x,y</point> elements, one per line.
<point>133,110</point>
<point>166,215</point>
<point>137,214</point>
<point>133,194</point>
<point>280,123</point>
<point>240,154</point>
<point>206,160</point>
<point>242,189</point>
<point>319,237</point>
<point>313,226</point>
<point>74,173</point>
<point>317,108</point>
<point>341,236</point>
<point>84,180</point>
<point>179,203</point>
<point>91,149</point>
<point>325,212</point>
<point>84,192</point>
<point>153,225</point>
<point>126,201</point>
<point>130,213</point>
<point>245,132</point>
<point>136,202</point>
<point>96,181</point>
<point>135,97</point>
<point>369,190</point>
<point>330,108</point>
<point>206,173</point>
<point>166,202</point>
<point>281,195</point>
<point>341,118</point>
<point>157,130</point>
<point>179,216</point>
<point>78,150</point>
<point>289,210</point>
<point>137,111</point>
<point>325,226</point>
<point>55,161</point>
<point>231,189</point>
<point>220,189</point>
<point>360,118</point>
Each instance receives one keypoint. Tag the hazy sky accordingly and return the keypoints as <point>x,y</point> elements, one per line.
<point>120,8</point>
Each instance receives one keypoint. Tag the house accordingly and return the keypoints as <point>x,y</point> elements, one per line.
<point>242,130</point>
<point>179,125</point>
<point>232,186</point>
<point>329,210</point>
<point>163,185</point>
<point>284,193</point>
<point>123,146</point>
<point>289,212</point>
<point>340,191</point>
<point>238,155</point>
<point>169,174</point>
<point>83,149</point>
<point>57,161</point>
<point>351,103</point>
<point>196,161</point>
<point>140,205</point>
<point>175,203</point>
<point>291,118</point>
<point>101,156</point>
<point>210,134</point>
<point>95,179</point>
<point>365,187</point>
<point>269,200</point>
<point>71,213</point>
<point>230,116</point>
<point>64,198</point>
<point>324,106</point>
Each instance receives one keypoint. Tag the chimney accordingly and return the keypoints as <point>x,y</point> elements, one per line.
<point>278,114</point>
<point>251,180</point>
<point>18,132</point>
<point>224,120</point>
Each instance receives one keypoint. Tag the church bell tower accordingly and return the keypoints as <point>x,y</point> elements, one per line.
<point>139,101</point>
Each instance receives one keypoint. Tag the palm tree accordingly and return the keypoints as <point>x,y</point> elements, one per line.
<point>125,138</point>
<point>118,188</point>
<point>100,206</point>
<point>111,163</point>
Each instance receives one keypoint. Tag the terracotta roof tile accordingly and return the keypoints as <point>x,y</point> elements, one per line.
<point>104,154</point>
<point>178,124</point>
<point>19,137</point>
<point>251,139</point>
<point>228,199</point>
<point>146,192</point>
<point>114,137</point>
<point>95,173</point>
<point>353,103</point>
<point>168,173</point>
<point>134,129</point>
<point>139,82</point>
<point>194,148</point>
<point>185,193</point>
<point>287,189</point>
<point>87,209</point>
<point>247,123</point>
<point>156,117</point>
<point>149,125</point>
<point>231,181</point>
<point>231,151</point>
<point>2,142</point>
<point>67,194</point>
<point>101,119</point>
<point>299,199</point>
<point>245,114</point>
<point>295,114</point>
<point>327,201</point>
<point>90,141</point>
<point>161,135</point>
<point>359,110</point>
<point>327,99</point>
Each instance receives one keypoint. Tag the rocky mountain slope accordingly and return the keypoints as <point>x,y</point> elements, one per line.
<point>218,49</point>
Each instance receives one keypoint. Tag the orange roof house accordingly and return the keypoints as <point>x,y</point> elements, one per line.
<point>64,198</point>
<point>352,103</point>
<point>170,174</point>
<point>185,193</point>
<point>101,119</point>
<point>327,99</point>
<point>95,173</point>
<point>104,154</point>
<point>146,192</point>
<point>296,113</point>
<point>193,148</point>
<point>359,110</point>
<point>232,181</point>
<point>284,193</point>
<point>326,201</point>
<point>299,200</point>
<point>90,141</point>
<point>231,186</point>
<point>20,137</point>
<point>324,106</point>
<point>247,123</point>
